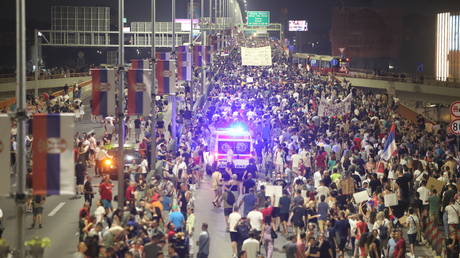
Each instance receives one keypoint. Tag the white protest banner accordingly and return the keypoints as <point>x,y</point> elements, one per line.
<point>274,190</point>
<point>361,196</point>
<point>5,155</point>
<point>326,108</point>
<point>390,200</point>
<point>258,56</point>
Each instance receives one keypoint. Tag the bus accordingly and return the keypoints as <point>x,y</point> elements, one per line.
<point>322,64</point>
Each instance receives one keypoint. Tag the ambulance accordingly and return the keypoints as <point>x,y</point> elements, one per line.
<point>233,144</point>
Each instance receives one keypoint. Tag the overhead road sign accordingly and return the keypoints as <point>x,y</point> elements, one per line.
<point>258,18</point>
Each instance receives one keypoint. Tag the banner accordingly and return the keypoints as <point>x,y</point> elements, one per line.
<point>103,93</point>
<point>140,64</point>
<point>184,66</point>
<point>166,77</point>
<point>5,155</point>
<point>328,109</point>
<point>53,155</point>
<point>259,56</point>
<point>139,92</point>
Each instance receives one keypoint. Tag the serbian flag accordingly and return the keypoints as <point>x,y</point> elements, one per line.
<point>139,64</point>
<point>197,53</point>
<point>166,77</point>
<point>162,56</point>
<point>52,154</point>
<point>184,66</point>
<point>390,144</point>
<point>139,92</point>
<point>182,49</point>
<point>5,155</point>
<point>103,94</point>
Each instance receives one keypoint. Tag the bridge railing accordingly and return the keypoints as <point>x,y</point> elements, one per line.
<point>406,79</point>
<point>30,77</point>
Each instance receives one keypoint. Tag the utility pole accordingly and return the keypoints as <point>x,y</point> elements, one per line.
<point>21,118</point>
<point>191,46</point>
<point>120,108</point>
<point>36,60</point>
<point>153,125</point>
<point>173,95</point>
<point>203,45</point>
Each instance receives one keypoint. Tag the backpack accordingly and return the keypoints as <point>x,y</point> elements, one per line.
<point>383,232</point>
<point>230,198</point>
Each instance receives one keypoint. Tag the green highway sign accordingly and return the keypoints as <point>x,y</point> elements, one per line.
<point>258,18</point>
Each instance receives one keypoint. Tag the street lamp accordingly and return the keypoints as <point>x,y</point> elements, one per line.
<point>38,36</point>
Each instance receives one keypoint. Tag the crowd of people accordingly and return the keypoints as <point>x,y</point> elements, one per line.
<point>318,161</point>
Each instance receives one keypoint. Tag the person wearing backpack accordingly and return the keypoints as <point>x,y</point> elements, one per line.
<point>413,226</point>
<point>229,201</point>
<point>383,225</point>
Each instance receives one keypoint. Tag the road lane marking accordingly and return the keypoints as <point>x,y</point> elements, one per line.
<point>55,210</point>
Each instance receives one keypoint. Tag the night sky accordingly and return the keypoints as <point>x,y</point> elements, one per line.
<point>316,12</point>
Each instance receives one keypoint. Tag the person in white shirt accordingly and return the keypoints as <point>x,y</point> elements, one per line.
<point>317,178</point>
<point>424,193</point>
<point>453,212</point>
<point>251,245</point>
<point>233,220</point>
<point>322,190</point>
<point>256,220</point>
<point>295,158</point>
<point>99,212</point>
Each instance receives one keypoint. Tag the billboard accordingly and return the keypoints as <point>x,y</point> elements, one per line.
<point>298,25</point>
<point>185,24</point>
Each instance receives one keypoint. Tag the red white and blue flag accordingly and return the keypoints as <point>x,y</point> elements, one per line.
<point>184,66</point>
<point>139,92</point>
<point>52,154</point>
<point>390,148</point>
<point>140,64</point>
<point>163,56</point>
<point>103,93</point>
<point>197,56</point>
<point>166,77</point>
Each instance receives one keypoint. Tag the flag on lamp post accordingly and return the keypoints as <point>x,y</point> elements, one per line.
<point>162,56</point>
<point>53,169</point>
<point>184,66</point>
<point>103,93</point>
<point>140,64</point>
<point>139,92</point>
<point>5,155</point>
<point>166,77</point>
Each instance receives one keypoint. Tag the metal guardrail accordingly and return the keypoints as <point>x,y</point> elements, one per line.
<point>426,81</point>
<point>5,78</point>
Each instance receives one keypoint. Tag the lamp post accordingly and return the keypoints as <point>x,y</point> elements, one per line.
<point>173,95</point>
<point>21,118</point>
<point>203,45</point>
<point>120,109</point>
<point>153,143</point>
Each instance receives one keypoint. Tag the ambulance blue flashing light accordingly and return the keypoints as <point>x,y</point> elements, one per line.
<point>237,129</point>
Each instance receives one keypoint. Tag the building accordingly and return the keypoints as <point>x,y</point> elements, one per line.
<point>448,47</point>
<point>371,37</point>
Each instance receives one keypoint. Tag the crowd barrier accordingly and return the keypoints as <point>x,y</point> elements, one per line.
<point>434,236</point>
